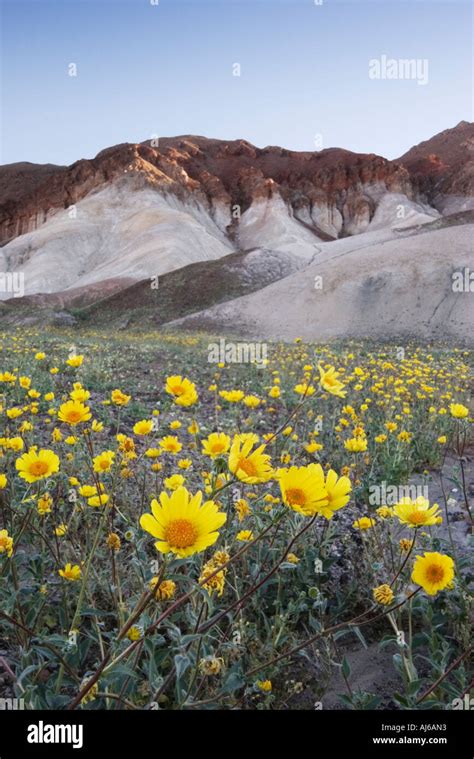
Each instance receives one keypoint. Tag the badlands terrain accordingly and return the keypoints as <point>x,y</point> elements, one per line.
<point>221,235</point>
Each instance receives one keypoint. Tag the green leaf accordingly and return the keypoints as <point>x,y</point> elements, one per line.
<point>181,663</point>
<point>346,668</point>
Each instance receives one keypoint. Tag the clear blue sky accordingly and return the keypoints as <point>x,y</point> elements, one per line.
<point>166,69</point>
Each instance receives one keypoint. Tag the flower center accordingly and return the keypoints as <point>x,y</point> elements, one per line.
<point>435,573</point>
<point>38,468</point>
<point>418,517</point>
<point>177,389</point>
<point>181,533</point>
<point>74,416</point>
<point>217,447</point>
<point>296,496</point>
<point>248,467</point>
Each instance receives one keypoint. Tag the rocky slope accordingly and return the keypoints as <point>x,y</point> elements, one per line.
<point>223,222</point>
<point>322,188</point>
<point>442,168</point>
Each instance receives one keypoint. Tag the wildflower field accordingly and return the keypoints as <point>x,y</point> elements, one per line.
<point>178,534</point>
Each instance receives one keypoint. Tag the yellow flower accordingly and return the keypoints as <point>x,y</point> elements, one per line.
<point>302,488</point>
<point>184,463</point>
<point>71,572</point>
<point>405,544</point>
<point>442,439</point>
<point>104,461</point>
<point>337,493</point>
<point>183,390</point>
<point>245,536</point>
<point>44,504</point>
<point>79,393</point>
<point>404,436</point>
<point>232,396</point>
<point>40,356</point>
<point>3,481</point>
<point>274,392</point>
<point>37,465</point>
<point>364,523</point>
<point>383,594</point>
<point>6,543</point>
<point>211,665</point>
<point>458,410</point>
<point>182,525</point>
<point>328,379</point>
<point>14,413</point>
<point>134,633</point>
<point>57,435</point>
<point>165,589</point>
<point>113,541</point>
<point>15,444</point>
<point>356,444</point>
<point>193,428</point>
<point>153,453</point>
<point>305,389</point>
<point>264,685</point>
<point>75,361</point>
<point>292,558</point>
<point>313,447</point>
<point>249,466</point>
<point>171,444</point>
<point>416,513</point>
<point>74,412</point>
<point>216,583</point>
<point>119,398</point>
<point>242,508</point>
<point>433,571</point>
<point>144,427</point>
<point>87,490</point>
<point>216,444</point>
<point>251,401</point>
<point>61,530</point>
<point>385,512</point>
<point>174,482</point>
<point>98,500</point>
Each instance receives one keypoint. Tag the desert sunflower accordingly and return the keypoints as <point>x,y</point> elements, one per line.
<point>337,490</point>
<point>216,444</point>
<point>417,513</point>
<point>6,543</point>
<point>302,488</point>
<point>37,465</point>
<point>433,571</point>
<point>247,465</point>
<point>74,412</point>
<point>328,379</point>
<point>183,390</point>
<point>182,525</point>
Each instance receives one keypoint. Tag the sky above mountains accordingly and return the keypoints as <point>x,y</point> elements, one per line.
<point>80,75</point>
